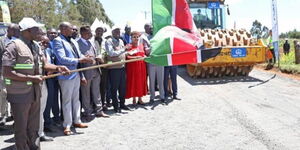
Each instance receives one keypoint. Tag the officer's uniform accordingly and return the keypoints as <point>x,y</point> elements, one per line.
<point>25,57</point>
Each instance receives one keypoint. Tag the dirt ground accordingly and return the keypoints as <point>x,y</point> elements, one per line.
<point>261,111</point>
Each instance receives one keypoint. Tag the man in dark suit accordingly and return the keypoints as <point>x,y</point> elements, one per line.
<point>90,91</point>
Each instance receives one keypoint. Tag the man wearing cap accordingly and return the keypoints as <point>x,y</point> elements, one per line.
<point>116,52</point>
<point>13,32</point>
<point>68,54</point>
<point>23,63</point>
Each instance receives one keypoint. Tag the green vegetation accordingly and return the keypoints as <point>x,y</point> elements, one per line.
<point>52,12</point>
<point>291,34</point>
<point>287,62</point>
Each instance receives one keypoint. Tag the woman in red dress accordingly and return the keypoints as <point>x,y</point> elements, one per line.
<point>136,81</point>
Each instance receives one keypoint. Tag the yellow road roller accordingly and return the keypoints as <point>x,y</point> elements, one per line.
<point>240,52</point>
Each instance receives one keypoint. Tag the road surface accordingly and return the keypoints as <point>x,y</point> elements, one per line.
<point>260,112</point>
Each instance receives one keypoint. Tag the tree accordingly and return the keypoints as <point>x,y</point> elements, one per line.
<point>258,30</point>
<point>52,12</point>
<point>90,10</point>
<point>291,34</point>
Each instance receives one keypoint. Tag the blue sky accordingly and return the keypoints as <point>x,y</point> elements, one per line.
<point>243,12</point>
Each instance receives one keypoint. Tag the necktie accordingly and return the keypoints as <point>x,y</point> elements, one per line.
<point>74,49</point>
<point>91,46</point>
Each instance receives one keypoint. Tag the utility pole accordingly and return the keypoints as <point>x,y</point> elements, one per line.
<point>146,14</point>
<point>275,36</point>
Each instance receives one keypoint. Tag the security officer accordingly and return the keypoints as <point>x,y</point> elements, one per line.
<point>22,64</point>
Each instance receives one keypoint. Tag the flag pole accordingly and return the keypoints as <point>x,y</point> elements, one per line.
<point>94,67</point>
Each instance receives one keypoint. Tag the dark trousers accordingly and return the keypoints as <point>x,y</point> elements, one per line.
<point>26,127</point>
<point>170,71</point>
<point>274,56</point>
<point>105,95</point>
<point>52,101</point>
<point>117,78</point>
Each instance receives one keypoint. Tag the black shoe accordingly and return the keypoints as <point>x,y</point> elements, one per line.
<point>104,108</point>
<point>176,98</point>
<point>88,118</point>
<point>163,100</point>
<point>48,129</point>
<point>141,103</point>
<point>124,107</point>
<point>46,138</point>
<point>10,118</point>
<point>117,110</point>
<point>2,121</point>
<point>151,101</point>
<point>108,105</point>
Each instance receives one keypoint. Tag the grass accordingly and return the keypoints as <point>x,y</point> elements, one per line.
<point>294,69</point>
<point>287,62</point>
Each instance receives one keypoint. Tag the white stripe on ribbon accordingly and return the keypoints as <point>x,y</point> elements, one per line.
<point>173,11</point>
<point>199,59</point>
<point>169,56</point>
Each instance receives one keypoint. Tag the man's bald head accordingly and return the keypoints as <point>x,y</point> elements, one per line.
<point>64,25</point>
<point>14,26</point>
<point>66,29</point>
<point>13,30</point>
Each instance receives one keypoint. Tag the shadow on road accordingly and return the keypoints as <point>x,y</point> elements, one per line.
<point>12,147</point>
<point>263,82</point>
<point>6,130</point>
<point>223,80</point>
<point>213,81</point>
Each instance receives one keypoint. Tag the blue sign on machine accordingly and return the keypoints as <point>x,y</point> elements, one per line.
<point>238,52</point>
<point>213,5</point>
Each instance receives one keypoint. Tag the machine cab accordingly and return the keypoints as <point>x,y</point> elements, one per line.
<point>208,13</point>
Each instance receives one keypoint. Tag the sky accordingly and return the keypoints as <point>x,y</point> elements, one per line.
<point>243,13</point>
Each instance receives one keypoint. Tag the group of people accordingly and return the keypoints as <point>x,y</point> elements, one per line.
<point>29,54</point>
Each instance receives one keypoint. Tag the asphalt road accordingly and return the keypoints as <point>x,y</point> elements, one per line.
<point>260,112</point>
